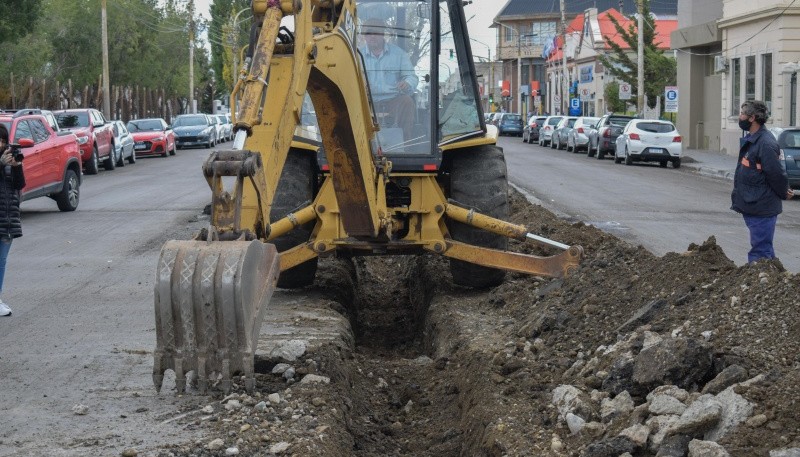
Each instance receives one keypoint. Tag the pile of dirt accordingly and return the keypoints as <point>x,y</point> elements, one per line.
<point>580,366</point>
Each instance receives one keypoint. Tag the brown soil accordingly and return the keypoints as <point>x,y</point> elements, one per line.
<point>440,370</point>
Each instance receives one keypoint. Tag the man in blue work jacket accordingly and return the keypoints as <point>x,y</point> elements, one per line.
<point>760,181</point>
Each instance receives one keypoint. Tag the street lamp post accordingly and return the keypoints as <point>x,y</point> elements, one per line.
<point>491,70</point>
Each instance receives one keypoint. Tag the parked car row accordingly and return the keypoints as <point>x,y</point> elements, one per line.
<point>59,147</point>
<point>506,123</point>
<point>789,143</point>
<point>628,138</point>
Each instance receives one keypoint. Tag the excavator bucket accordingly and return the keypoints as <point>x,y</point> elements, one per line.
<point>210,299</point>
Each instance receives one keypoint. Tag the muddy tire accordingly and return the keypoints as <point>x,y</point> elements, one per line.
<point>478,179</point>
<point>295,187</point>
<point>68,198</point>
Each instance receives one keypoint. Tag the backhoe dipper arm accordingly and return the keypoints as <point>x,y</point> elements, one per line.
<point>325,64</point>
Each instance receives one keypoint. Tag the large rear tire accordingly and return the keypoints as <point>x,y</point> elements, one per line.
<point>478,179</point>
<point>295,187</point>
<point>93,164</point>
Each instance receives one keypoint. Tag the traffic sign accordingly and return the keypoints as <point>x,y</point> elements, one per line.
<point>671,99</point>
<point>575,103</point>
<point>557,99</point>
<point>624,91</point>
<point>585,95</point>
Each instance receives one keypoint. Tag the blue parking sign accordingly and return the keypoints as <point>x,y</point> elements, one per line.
<point>574,107</point>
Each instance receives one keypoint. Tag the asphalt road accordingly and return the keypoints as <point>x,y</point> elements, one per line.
<point>81,288</point>
<point>662,209</point>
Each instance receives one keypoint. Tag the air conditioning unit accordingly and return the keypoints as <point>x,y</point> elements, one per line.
<point>720,64</point>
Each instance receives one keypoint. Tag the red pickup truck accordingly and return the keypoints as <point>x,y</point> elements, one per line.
<point>52,165</point>
<point>95,137</point>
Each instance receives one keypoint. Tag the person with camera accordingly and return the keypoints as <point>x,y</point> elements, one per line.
<point>12,180</point>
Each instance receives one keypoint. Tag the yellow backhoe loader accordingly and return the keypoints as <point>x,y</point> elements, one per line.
<point>359,131</point>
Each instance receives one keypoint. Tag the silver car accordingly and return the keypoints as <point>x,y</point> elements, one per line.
<point>123,144</point>
<point>546,131</point>
<point>227,127</point>
<point>578,138</point>
<point>560,134</point>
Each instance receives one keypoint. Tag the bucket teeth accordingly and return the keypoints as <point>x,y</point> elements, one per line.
<point>210,299</point>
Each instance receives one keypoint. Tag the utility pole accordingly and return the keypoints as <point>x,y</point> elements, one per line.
<point>640,59</point>
<point>565,85</point>
<point>106,86</point>
<point>519,72</point>
<point>191,57</point>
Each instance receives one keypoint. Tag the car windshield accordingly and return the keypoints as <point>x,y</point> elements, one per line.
<point>571,122</point>
<point>791,139</point>
<point>188,121</point>
<point>554,120</point>
<point>73,120</point>
<point>145,125</point>
<point>655,127</point>
<point>619,121</point>
<point>222,118</point>
<point>590,120</point>
<point>512,118</point>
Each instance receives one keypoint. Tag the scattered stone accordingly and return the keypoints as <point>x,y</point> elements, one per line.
<point>289,373</point>
<point>208,409</point>
<point>698,448</point>
<point>735,410</point>
<point>80,410</point>
<point>621,405</point>
<point>317,401</point>
<point>260,406</point>
<point>701,415</point>
<point>594,429</point>
<point>659,426</point>
<point>289,350</point>
<point>130,452</point>
<point>555,444</point>
<point>757,421</point>
<point>232,451</point>
<point>673,391</point>
<point>575,423</point>
<point>279,448</point>
<point>637,434</point>
<point>274,398</point>
<point>609,448</point>
<point>674,446</point>
<point>680,361</point>
<point>642,316</point>
<point>280,368</point>
<point>570,399</point>
<point>233,405</point>
<point>313,378</point>
<point>215,445</point>
<point>665,404</point>
<point>726,378</point>
<point>793,452</point>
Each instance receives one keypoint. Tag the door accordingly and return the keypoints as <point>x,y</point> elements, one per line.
<point>32,164</point>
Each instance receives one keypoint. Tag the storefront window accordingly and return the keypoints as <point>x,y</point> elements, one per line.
<point>750,78</point>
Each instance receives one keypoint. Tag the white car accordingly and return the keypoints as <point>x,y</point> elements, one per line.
<point>578,138</point>
<point>547,129</point>
<point>648,140</point>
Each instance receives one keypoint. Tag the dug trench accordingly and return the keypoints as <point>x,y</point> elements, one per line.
<point>684,354</point>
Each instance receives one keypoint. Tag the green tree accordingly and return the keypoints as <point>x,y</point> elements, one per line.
<point>659,69</point>
<point>225,36</point>
<point>613,103</point>
<point>17,18</point>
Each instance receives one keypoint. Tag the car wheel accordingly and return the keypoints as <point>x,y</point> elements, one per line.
<point>93,165</point>
<point>121,159</point>
<point>676,163</point>
<point>600,154</point>
<point>67,199</point>
<point>172,151</point>
<point>617,159</point>
<point>628,160</point>
<point>111,161</point>
<point>132,158</point>
<point>663,164</point>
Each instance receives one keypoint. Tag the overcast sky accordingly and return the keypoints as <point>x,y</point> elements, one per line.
<point>479,14</point>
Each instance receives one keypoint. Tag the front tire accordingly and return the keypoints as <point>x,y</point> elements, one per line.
<point>295,187</point>
<point>132,158</point>
<point>478,179</point>
<point>121,159</point>
<point>628,160</point>
<point>676,163</point>
<point>68,198</point>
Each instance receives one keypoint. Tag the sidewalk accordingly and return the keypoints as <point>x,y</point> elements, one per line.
<point>710,163</point>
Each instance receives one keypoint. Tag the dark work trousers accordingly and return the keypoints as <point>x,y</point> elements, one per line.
<point>762,231</point>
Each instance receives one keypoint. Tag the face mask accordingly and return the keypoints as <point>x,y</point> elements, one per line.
<point>745,124</point>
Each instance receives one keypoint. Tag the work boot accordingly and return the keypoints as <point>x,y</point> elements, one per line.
<point>4,309</point>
